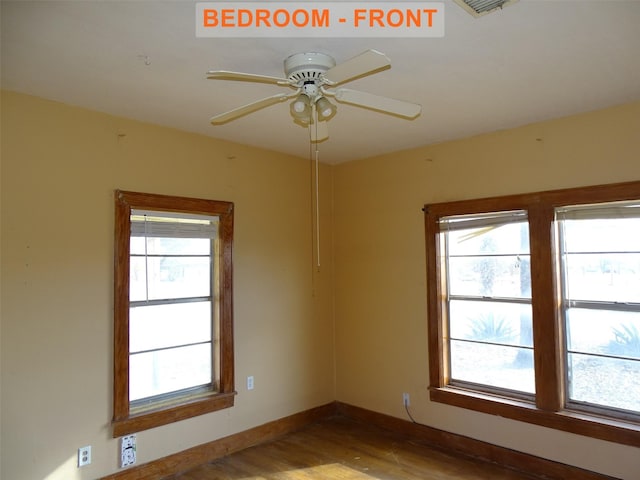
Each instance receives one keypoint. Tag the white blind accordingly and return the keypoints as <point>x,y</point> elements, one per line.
<point>492,219</point>
<point>600,211</point>
<point>172,225</point>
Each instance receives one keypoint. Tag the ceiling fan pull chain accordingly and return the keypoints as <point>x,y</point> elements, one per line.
<point>314,158</point>
<point>317,206</point>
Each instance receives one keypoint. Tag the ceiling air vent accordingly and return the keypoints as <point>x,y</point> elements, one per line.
<point>478,8</point>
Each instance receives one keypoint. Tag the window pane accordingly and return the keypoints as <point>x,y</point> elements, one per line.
<point>603,332</point>
<point>493,365</point>
<point>494,276</point>
<point>610,382</point>
<point>136,246</point>
<point>597,378</point>
<point>602,235</point>
<point>137,279</point>
<point>165,371</point>
<point>490,260</point>
<point>603,276</point>
<point>601,260</point>
<point>493,322</point>
<point>170,246</point>
<point>512,238</point>
<point>160,326</point>
<point>170,277</point>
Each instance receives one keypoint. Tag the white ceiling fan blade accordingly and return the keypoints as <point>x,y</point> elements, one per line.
<point>245,77</point>
<point>361,65</point>
<point>319,131</point>
<point>376,102</point>
<point>249,108</point>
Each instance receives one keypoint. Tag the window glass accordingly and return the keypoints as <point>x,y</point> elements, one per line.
<point>489,261</point>
<point>499,366</point>
<point>590,381</point>
<point>170,317</point>
<point>164,268</point>
<point>601,298</point>
<point>162,371</point>
<point>494,322</point>
<point>489,309</point>
<point>602,259</point>
<point>141,245</point>
<point>491,275</point>
<point>162,326</point>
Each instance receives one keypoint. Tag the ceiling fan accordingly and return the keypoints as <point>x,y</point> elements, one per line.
<point>313,77</point>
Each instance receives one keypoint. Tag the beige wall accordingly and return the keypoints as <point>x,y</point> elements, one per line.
<point>379,288</point>
<point>60,166</point>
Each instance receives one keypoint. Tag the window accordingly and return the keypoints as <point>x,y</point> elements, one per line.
<point>534,308</point>
<point>173,338</point>
<point>489,301</point>
<point>600,265</point>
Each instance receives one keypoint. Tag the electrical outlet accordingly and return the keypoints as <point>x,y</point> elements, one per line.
<point>84,456</point>
<point>405,399</point>
<point>250,382</point>
<point>127,450</point>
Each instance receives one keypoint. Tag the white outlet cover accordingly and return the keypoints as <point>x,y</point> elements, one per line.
<point>84,456</point>
<point>127,450</point>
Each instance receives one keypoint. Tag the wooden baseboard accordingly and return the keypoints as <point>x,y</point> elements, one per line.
<point>458,444</point>
<point>448,442</point>
<point>198,455</point>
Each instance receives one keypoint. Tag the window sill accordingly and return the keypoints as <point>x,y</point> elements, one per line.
<point>154,418</point>
<point>603,428</point>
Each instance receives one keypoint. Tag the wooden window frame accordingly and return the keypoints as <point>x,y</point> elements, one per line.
<point>549,409</point>
<point>124,421</point>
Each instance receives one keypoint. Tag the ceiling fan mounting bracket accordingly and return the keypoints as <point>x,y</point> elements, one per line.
<point>307,67</point>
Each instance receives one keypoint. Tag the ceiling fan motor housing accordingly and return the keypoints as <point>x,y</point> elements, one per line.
<point>307,67</point>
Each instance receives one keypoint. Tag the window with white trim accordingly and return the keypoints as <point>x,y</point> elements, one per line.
<point>173,341</point>
<point>534,308</point>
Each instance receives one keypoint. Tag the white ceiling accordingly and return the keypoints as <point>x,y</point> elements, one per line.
<point>532,61</point>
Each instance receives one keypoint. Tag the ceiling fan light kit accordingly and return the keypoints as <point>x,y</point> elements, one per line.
<point>301,104</point>
<point>315,76</point>
<point>326,109</point>
<point>300,110</point>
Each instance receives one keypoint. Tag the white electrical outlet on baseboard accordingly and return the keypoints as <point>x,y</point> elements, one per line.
<point>406,401</point>
<point>250,382</point>
<point>127,450</point>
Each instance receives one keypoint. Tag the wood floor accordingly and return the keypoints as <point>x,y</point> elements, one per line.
<point>343,449</point>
